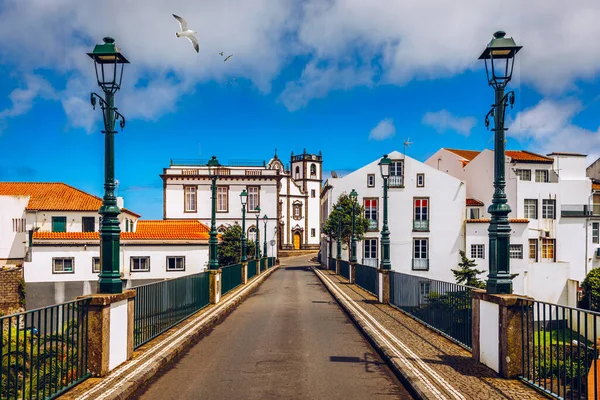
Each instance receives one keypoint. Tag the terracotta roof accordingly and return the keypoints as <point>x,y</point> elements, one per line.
<point>596,186</point>
<point>511,220</point>
<point>473,202</point>
<point>562,153</point>
<point>145,230</point>
<point>528,156</point>
<point>54,196</point>
<point>466,154</point>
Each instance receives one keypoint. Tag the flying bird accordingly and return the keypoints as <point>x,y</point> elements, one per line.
<point>228,57</point>
<point>186,32</point>
<point>221,54</point>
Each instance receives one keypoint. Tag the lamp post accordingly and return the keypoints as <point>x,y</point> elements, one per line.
<point>213,257</point>
<point>257,242</point>
<point>499,57</point>
<point>339,209</point>
<point>265,219</point>
<point>353,196</point>
<point>244,200</point>
<point>384,165</point>
<point>109,64</point>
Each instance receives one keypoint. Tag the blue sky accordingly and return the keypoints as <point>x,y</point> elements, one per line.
<point>295,87</point>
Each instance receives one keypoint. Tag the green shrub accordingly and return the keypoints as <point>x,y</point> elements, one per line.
<point>591,291</point>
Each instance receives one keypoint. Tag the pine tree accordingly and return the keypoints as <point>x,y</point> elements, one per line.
<point>467,274</point>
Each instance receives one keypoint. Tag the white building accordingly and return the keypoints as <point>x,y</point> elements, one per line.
<point>426,210</point>
<point>288,196</point>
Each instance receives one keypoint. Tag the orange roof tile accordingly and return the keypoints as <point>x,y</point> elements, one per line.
<point>145,230</point>
<point>466,154</point>
<point>511,220</point>
<point>596,186</point>
<point>528,156</point>
<point>54,196</point>
<point>473,202</point>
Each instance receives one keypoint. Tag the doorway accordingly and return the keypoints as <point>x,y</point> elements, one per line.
<point>297,240</point>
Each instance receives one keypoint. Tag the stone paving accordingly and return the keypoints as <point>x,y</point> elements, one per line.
<point>446,365</point>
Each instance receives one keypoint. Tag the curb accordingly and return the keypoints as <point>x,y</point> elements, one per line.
<point>129,385</point>
<point>411,382</point>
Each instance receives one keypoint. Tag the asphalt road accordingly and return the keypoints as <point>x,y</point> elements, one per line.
<point>289,340</point>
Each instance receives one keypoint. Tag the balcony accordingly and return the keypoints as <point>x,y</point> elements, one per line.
<point>373,225</point>
<point>579,210</point>
<point>420,264</point>
<point>370,262</point>
<point>396,181</point>
<point>421,225</point>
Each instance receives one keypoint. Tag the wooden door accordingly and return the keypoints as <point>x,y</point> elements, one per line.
<point>297,239</point>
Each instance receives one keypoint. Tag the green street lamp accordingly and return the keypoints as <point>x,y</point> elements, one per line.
<point>244,200</point>
<point>385,165</point>
<point>339,209</point>
<point>213,249</point>
<point>265,219</point>
<point>499,57</point>
<point>353,196</point>
<point>257,242</point>
<point>109,64</point>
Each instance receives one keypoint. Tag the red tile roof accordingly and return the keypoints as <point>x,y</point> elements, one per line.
<point>54,196</point>
<point>596,186</point>
<point>511,220</point>
<point>475,203</point>
<point>528,156</point>
<point>145,230</point>
<point>466,154</point>
<point>562,153</point>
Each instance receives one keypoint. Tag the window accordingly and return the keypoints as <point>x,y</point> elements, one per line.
<point>371,180</point>
<point>191,198</point>
<point>396,174</point>
<point>140,264</point>
<point>19,225</point>
<point>221,230</point>
<point>478,251</point>
<point>175,263</point>
<point>63,265</point>
<point>548,249</point>
<point>222,199</point>
<point>424,290</point>
<point>530,208</point>
<point>297,209</point>
<point>420,254</point>
<point>88,224</point>
<point>541,175</point>
<point>313,171</point>
<point>370,252</point>
<point>313,232</point>
<point>96,265</point>
<point>524,174</point>
<point>252,234</point>
<point>420,180</point>
<point>473,213</point>
<point>297,173</point>
<point>533,250</point>
<point>549,208</point>
<point>371,212</point>
<point>253,198</point>
<point>596,232</point>
<point>421,209</point>
<point>313,193</point>
<point>59,224</point>
<point>516,251</point>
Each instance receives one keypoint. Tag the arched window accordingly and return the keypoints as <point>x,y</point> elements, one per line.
<point>252,234</point>
<point>313,170</point>
<point>297,210</point>
<point>221,230</point>
<point>297,173</point>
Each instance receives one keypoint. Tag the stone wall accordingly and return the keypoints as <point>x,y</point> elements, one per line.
<point>11,295</point>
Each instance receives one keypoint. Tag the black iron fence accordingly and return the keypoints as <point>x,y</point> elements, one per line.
<point>44,352</point>
<point>443,306</point>
<point>559,350</point>
<point>367,278</point>
<point>332,263</point>
<point>345,269</point>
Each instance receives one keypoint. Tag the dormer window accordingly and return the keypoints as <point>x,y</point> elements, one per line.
<point>474,213</point>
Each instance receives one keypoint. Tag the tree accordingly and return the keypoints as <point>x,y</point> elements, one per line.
<point>467,274</point>
<point>330,227</point>
<point>591,291</point>
<point>230,246</point>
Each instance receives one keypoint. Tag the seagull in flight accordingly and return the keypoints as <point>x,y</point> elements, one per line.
<point>228,57</point>
<point>186,32</point>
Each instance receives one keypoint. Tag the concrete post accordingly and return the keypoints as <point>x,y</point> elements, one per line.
<point>498,332</point>
<point>110,319</point>
<point>384,286</point>
<point>244,273</point>
<point>337,266</point>
<point>258,265</point>
<point>352,272</point>
<point>215,285</point>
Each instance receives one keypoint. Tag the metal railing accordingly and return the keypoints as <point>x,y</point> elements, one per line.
<point>345,269</point>
<point>251,268</point>
<point>44,352</point>
<point>370,262</point>
<point>559,349</point>
<point>161,305</point>
<point>332,263</point>
<point>231,277</point>
<point>367,278</point>
<point>420,225</point>
<point>579,210</point>
<point>443,306</point>
<point>395,181</point>
<point>270,262</point>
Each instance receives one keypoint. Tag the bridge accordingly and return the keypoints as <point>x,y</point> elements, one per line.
<point>299,330</point>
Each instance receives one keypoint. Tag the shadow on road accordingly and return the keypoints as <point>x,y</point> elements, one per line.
<point>305,268</point>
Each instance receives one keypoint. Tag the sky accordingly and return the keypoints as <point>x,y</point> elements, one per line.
<point>352,78</point>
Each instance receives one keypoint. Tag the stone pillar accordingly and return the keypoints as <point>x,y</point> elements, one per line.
<point>352,272</point>
<point>244,273</point>
<point>384,286</point>
<point>497,331</point>
<point>337,266</point>
<point>215,285</point>
<point>258,265</point>
<point>110,330</point>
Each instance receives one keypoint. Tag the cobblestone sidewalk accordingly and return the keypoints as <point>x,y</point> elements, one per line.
<point>435,366</point>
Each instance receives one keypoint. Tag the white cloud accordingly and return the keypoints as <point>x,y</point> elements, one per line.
<point>548,127</point>
<point>443,120</point>
<point>385,129</point>
<point>22,98</point>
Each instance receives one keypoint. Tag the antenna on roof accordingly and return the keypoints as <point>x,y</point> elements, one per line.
<point>407,142</point>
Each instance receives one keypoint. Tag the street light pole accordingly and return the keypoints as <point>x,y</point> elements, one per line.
<point>384,165</point>
<point>257,242</point>
<point>339,235</point>
<point>353,196</point>
<point>244,200</point>
<point>213,262</point>
<point>265,253</point>
<point>109,63</point>
<point>499,53</point>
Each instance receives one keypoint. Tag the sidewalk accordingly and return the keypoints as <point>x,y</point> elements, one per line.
<point>435,367</point>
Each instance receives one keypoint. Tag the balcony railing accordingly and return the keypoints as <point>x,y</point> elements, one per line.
<point>396,181</point>
<point>420,264</point>
<point>420,225</point>
<point>373,225</point>
<point>579,210</point>
<point>370,262</point>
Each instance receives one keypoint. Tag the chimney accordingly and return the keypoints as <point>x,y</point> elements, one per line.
<point>120,202</point>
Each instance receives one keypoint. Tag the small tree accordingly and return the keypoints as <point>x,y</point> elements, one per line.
<point>591,291</point>
<point>230,246</point>
<point>467,274</point>
<point>330,227</point>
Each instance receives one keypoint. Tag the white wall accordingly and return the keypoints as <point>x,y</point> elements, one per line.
<point>13,245</point>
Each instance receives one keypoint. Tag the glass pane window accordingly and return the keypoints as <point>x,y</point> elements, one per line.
<point>541,175</point>
<point>516,251</point>
<point>547,249</point>
<point>530,208</point>
<point>371,180</point>
<point>533,249</point>
<point>548,208</point>
<point>96,265</point>
<point>253,197</point>
<point>473,213</point>
<point>396,173</point>
<point>524,174</point>
<point>222,198</point>
<point>421,209</point>
<point>88,224</point>
<point>420,248</point>
<point>370,248</point>
<point>63,265</point>
<point>478,251</point>
<point>420,180</point>
<point>371,212</point>
<point>140,264</point>
<point>175,263</point>
<point>190,198</point>
<point>252,234</point>
<point>596,232</point>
